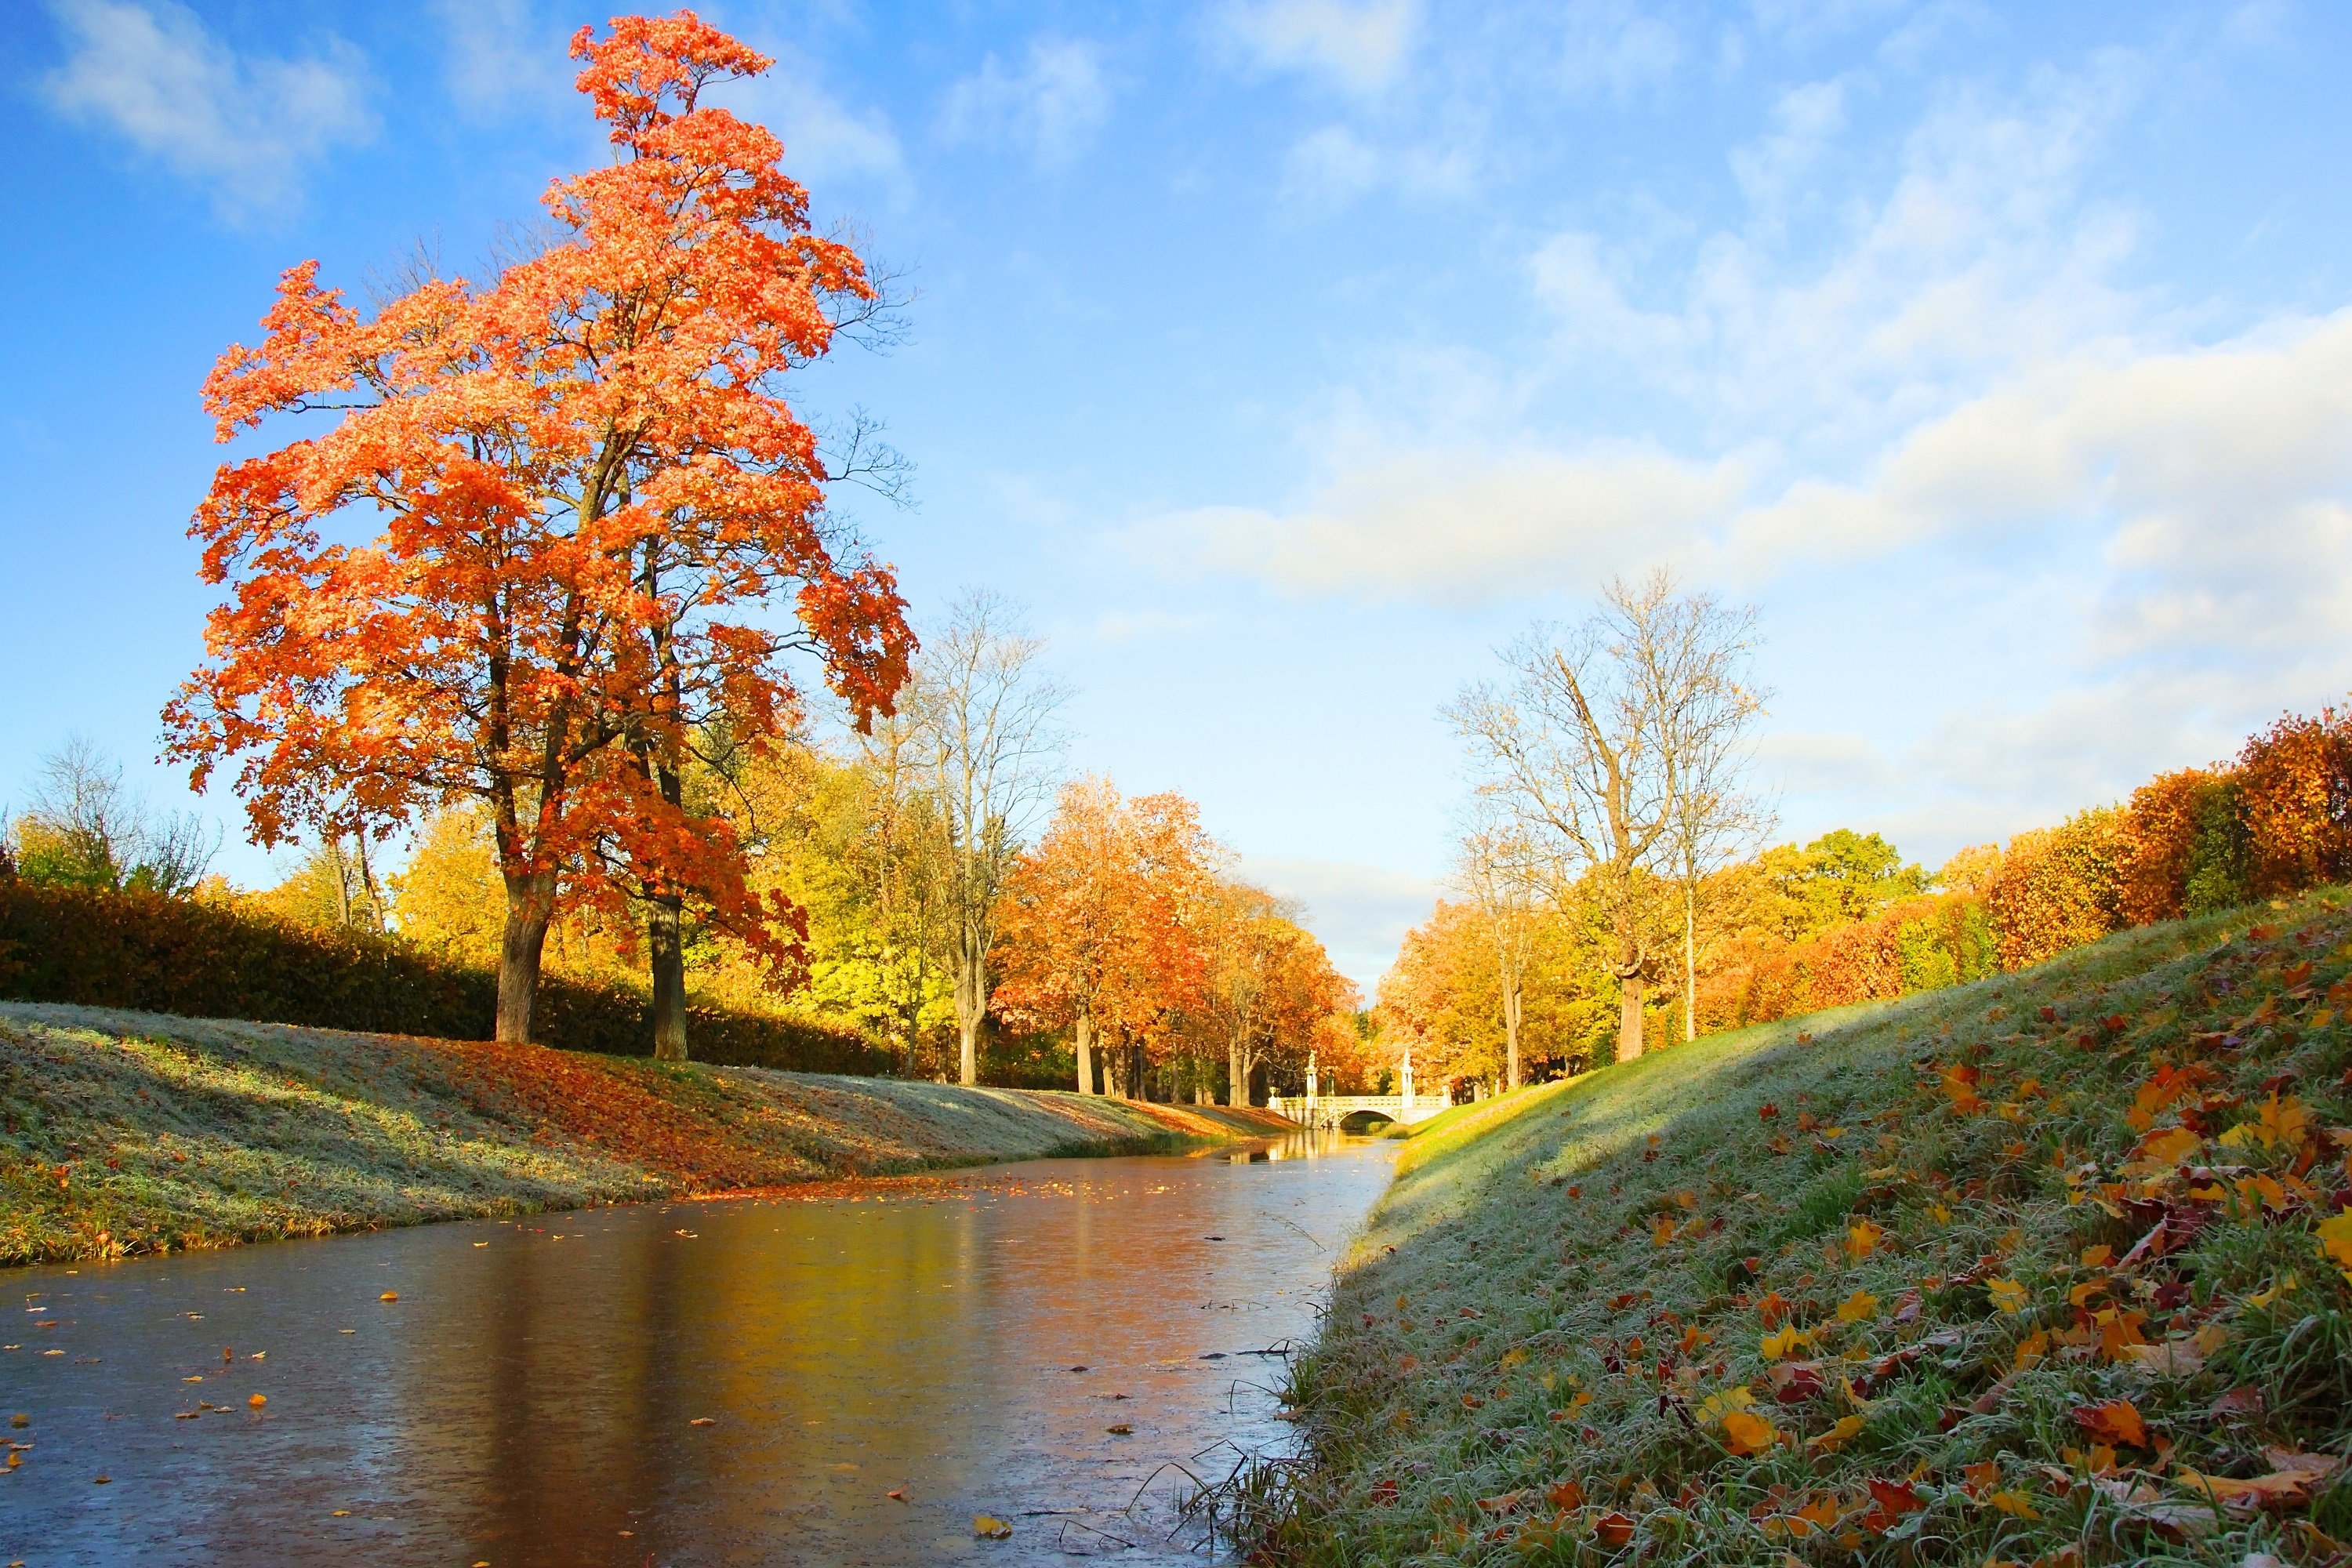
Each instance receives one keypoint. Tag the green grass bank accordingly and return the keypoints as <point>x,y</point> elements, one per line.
<point>128,1133</point>
<point>2047,1269</point>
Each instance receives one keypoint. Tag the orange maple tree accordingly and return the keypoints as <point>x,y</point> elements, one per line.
<point>528,562</point>
<point>1097,924</point>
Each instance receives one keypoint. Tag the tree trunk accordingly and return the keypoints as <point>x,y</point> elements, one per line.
<point>971,1005</point>
<point>1629,1015</point>
<point>1690,962</point>
<point>1513,1003</point>
<point>530,904</point>
<point>1237,1076</point>
<point>664,939</point>
<point>1086,1043</point>
<point>1114,1073</point>
<point>667,954</point>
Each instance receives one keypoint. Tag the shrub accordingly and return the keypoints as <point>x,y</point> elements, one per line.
<point>2160,832</point>
<point>206,959</point>
<point>2294,802</point>
<point>2058,888</point>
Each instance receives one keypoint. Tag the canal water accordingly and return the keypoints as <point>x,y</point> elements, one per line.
<point>1054,1344</point>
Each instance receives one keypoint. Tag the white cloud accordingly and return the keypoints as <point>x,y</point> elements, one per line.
<point>247,126</point>
<point>1980,258</point>
<point>1052,107</point>
<point>1359,912</point>
<point>2219,479</point>
<point>825,139</point>
<point>1805,121</point>
<point>1616,47</point>
<point>1363,46</point>
<point>1334,166</point>
<point>497,61</point>
<point>1462,527</point>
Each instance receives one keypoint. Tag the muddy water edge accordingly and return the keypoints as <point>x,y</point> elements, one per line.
<point>849,1374</point>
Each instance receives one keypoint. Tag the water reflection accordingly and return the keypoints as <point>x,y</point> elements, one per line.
<point>735,1382</point>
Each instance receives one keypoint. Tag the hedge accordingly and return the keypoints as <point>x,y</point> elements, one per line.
<point>203,959</point>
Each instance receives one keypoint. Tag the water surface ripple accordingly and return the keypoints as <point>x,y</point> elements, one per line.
<point>733,1381</point>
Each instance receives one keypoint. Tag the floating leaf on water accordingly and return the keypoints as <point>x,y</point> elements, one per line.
<point>1121,1431</point>
<point>257,1400</point>
<point>897,1494</point>
<point>389,1296</point>
<point>988,1527</point>
<point>704,1421</point>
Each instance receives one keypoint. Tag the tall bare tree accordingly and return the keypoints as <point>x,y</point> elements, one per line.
<point>1494,868</point>
<point>1694,660</point>
<point>984,710</point>
<point>1585,751</point>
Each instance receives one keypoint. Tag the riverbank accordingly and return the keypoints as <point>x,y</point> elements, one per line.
<point>130,1132</point>
<point>2050,1269</point>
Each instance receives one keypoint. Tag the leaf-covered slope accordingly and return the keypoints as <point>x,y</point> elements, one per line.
<point>135,1131</point>
<point>2051,1267</point>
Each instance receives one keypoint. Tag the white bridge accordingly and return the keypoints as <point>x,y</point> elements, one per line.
<point>1327,1111</point>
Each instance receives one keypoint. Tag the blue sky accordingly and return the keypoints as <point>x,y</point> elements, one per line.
<point>1286,356</point>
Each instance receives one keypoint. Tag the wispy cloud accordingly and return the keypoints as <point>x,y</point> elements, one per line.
<point>1359,912</point>
<point>1051,106</point>
<point>500,59</point>
<point>1362,46</point>
<point>247,126</point>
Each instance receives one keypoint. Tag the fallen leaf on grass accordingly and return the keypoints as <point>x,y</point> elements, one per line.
<point>2291,1482</point>
<point>2115,1421</point>
<point>1722,1403</point>
<point>988,1527</point>
<point>1612,1529</point>
<point>1564,1494</point>
<point>1859,1308</point>
<point>2009,1295</point>
<point>1744,1432</point>
<point>1382,1494</point>
<point>2335,1240</point>
<point>2139,1500</point>
<point>1844,1430</point>
<point>1889,1501</point>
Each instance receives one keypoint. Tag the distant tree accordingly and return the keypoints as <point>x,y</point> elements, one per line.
<point>522,449</point>
<point>1270,990</point>
<point>1094,925</point>
<point>85,827</point>
<point>1583,749</point>
<point>1494,866</point>
<point>986,745</point>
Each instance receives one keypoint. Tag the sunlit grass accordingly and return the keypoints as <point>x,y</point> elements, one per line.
<point>1535,1345</point>
<point>123,1133</point>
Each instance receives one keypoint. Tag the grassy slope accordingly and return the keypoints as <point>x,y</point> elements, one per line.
<point>1574,1284</point>
<point>134,1133</point>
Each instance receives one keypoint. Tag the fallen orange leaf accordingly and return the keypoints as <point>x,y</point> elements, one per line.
<point>2115,1421</point>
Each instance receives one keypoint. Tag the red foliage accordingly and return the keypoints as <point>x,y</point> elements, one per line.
<point>586,485</point>
<point>2295,802</point>
<point>2159,829</point>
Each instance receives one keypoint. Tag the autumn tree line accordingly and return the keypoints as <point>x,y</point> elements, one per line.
<point>1610,896</point>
